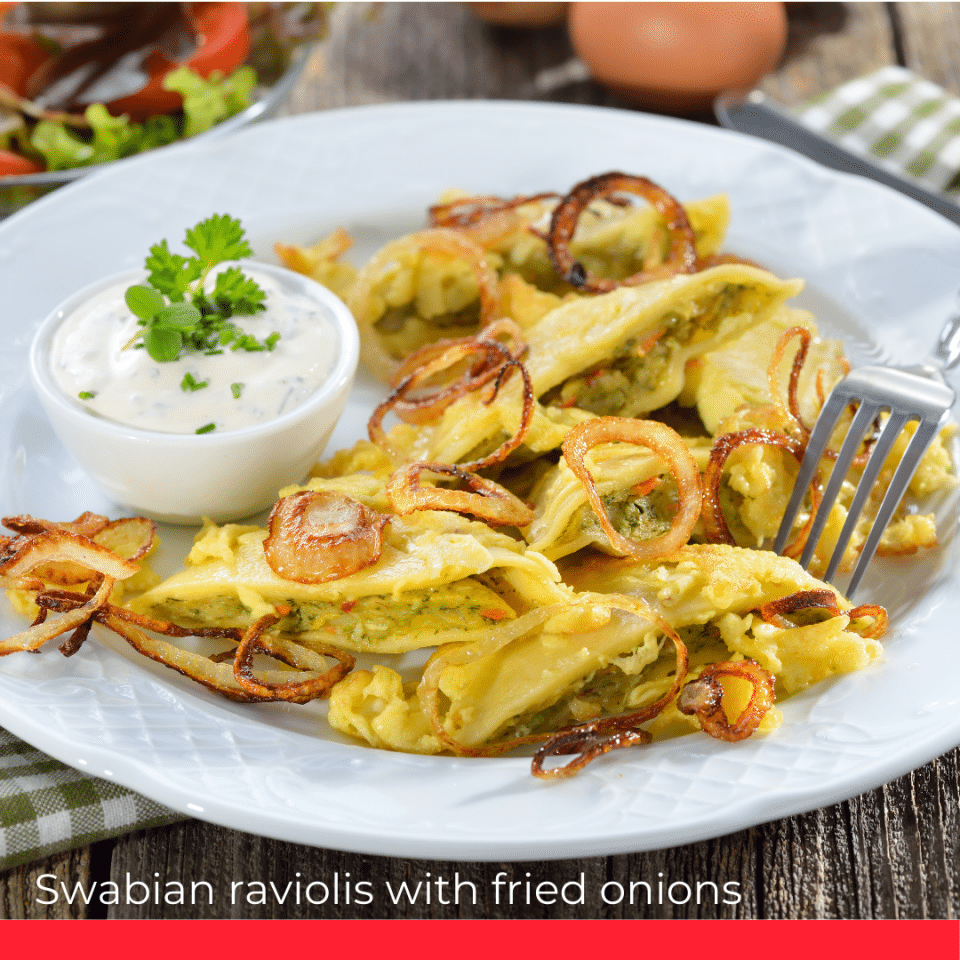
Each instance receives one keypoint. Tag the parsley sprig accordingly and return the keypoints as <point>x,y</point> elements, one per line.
<point>176,311</point>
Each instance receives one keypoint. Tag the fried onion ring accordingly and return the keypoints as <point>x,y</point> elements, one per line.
<point>314,680</point>
<point>703,698</point>
<point>315,536</point>
<point>490,355</point>
<point>715,525</point>
<point>682,256</point>
<point>60,545</point>
<point>664,442</point>
<point>776,612</point>
<point>42,629</point>
<point>501,327</point>
<point>484,499</point>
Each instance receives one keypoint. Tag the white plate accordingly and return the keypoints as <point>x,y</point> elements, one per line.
<point>882,273</point>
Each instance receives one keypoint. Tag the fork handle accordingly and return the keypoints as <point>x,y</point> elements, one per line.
<point>947,351</point>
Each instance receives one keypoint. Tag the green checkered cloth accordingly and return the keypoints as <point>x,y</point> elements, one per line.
<point>904,123</point>
<point>47,807</point>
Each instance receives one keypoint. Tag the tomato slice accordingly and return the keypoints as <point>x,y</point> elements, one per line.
<point>223,44</point>
<point>12,164</point>
<point>20,55</point>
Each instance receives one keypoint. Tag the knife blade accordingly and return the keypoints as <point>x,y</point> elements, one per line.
<point>755,114</point>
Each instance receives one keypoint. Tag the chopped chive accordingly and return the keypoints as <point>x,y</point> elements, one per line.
<point>236,389</point>
<point>207,428</point>
<point>189,383</point>
<point>87,394</point>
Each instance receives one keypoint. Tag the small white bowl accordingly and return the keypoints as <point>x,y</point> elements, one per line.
<point>181,478</point>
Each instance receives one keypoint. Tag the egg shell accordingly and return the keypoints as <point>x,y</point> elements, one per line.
<point>678,57</point>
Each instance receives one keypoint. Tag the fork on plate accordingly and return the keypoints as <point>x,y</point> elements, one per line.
<point>919,393</point>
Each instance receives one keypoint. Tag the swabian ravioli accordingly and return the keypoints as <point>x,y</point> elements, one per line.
<point>591,656</point>
<point>418,288</point>
<point>439,575</point>
<point>716,586</point>
<point>564,521</point>
<point>584,359</point>
<point>624,353</point>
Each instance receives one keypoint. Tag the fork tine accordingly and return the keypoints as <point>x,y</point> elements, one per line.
<point>864,417</point>
<point>926,431</point>
<point>878,456</point>
<point>823,429</point>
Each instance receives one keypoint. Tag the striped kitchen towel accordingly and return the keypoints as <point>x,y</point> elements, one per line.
<point>903,122</point>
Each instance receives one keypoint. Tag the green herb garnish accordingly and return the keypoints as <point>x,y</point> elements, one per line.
<point>189,383</point>
<point>86,394</point>
<point>176,312</point>
<point>236,389</point>
<point>206,428</point>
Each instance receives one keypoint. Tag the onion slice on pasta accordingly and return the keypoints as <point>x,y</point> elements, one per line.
<point>664,442</point>
<point>681,258</point>
<point>484,498</point>
<point>777,612</point>
<point>715,524</point>
<point>703,698</point>
<point>312,678</point>
<point>433,361</point>
<point>315,536</point>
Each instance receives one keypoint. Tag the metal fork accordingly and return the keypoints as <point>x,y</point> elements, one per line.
<point>907,393</point>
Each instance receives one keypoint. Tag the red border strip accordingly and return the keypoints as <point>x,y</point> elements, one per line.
<point>726,939</point>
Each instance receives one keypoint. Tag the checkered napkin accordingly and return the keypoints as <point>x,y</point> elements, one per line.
<point>47,807</point>
<point>902,122</point>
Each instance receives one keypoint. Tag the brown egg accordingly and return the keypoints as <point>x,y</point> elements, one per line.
<point>521,14</point>
<point>677,57</point>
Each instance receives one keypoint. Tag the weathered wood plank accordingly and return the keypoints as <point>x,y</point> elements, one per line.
<point>20,892</point>
<point>830,43</point>
<point>931,39</point>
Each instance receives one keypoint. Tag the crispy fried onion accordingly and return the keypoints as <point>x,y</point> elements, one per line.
<point>792,408</point>
<point>777,612</point>
<point>433,352</point>
<point>715,525</point>
<point>484,498</point>
<point>447,243</point>
<point>598,737</point>
<point>773,373</point>
<point>78,610</point>
<point>130,538</point>
<point>319,535</point>
<point>313,678</point>
<point>442,357</point>
<point>471,211</point>
<point>703,698</point>
<point>682,255</point>
<point>231,674</point>
<point>425,409</point>
<point>314,681</point>
<point>664,442</point>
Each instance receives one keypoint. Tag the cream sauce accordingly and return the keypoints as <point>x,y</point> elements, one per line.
<point>129,387</point>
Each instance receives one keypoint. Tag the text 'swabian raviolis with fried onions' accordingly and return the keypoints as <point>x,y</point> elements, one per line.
<point>554,533</point>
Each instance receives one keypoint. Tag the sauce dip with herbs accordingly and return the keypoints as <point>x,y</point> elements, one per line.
<point>93,362</point>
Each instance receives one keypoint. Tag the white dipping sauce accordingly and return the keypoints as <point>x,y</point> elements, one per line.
<point>131,388</point>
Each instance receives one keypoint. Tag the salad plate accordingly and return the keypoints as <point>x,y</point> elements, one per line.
<point>880,274</point>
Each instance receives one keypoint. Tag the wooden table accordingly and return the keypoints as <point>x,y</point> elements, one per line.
<point>891,853</point>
